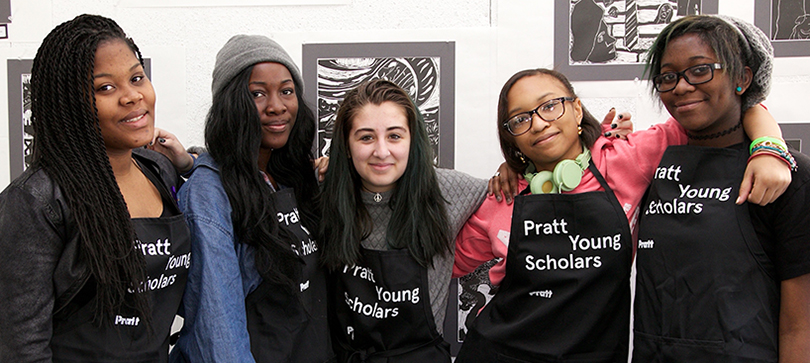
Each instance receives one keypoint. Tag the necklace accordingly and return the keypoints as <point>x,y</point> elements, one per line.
<point>716,134</point>
<point>377,197</point>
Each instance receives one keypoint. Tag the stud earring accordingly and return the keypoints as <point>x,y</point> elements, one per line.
<point>739,89</point>
<point>579,130</point>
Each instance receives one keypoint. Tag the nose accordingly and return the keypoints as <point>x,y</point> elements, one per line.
<point>682,86</point>
<point>275,106</point>
<point>381,149</point>
<point>538,124</point>
<point>131,95</point>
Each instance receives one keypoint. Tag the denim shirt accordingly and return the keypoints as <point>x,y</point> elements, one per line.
<point>222,274</point>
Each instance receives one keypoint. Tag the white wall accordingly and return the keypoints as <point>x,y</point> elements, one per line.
<point>494,39</point>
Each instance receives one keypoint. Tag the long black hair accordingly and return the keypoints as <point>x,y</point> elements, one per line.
<point>590,126</point>
<point>419,219</point>
<point>233,138</point>
<point>69,147</point>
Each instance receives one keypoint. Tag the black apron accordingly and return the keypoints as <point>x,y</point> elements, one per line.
<point>382,310</point>
<point>706,290</point>
<point>165,243</point>
<point>285,327</point>
<point>566,293</point>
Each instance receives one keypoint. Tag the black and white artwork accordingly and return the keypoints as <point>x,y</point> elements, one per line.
<point>787,24</point>
<point>338,68</point>
<point>21,135</point>
<point>417,75</point>
<point>608,39</point>
<point>474,291</point>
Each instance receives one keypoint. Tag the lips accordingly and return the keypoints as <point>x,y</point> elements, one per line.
<point>134,116</point>
<point>381,167</point>
<point>136,119</point>
<point>276,126</point>
<point>545,138</point>
<point>685,106</point>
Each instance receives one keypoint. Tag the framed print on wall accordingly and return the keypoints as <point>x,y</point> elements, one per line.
<point>787,24</point>
<point>20,131</point>
<point>424,69</point>
<point>599,40</point>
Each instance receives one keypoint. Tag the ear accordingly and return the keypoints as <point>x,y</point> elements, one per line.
<point>745,81</point>
<point>578,110</point>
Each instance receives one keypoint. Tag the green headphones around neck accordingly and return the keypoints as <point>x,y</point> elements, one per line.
<point>566,175</point>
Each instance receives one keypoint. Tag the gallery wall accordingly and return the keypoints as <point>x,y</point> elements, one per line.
<point>490,39</point>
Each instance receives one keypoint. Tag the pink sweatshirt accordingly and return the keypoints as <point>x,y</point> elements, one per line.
<point>627,165</point>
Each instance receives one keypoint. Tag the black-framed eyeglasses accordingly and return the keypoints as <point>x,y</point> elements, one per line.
<point>550,110</point>
<point>693,75</point>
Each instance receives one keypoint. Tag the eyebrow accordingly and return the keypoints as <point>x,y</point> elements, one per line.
<point>538,98</point>
<point>368,129</point>
<point>693,58</point>
<point>264,83</point>
<point>110,75</point>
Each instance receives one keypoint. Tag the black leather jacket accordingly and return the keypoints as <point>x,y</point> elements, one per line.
<point>40,271</point>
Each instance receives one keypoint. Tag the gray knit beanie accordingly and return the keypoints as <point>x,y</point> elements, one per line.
<point>761,52</point>
<point>242,51</point>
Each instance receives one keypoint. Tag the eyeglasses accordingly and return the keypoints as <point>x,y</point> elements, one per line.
<point>550,110</point>
<point>693,75</point>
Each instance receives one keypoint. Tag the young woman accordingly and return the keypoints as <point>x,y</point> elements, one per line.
<point>389,217</point>
<point>566,248</point>
<point>719,282</point>
<point>255,291</point>
<point>95,252</point>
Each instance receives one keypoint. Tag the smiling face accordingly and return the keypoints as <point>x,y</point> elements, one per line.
<point>124,98</point>
<point>273,90</point>
<point>379,143</point>
<point>705,108</point>
<point>546,143</point>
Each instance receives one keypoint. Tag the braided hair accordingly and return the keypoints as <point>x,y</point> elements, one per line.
<point>69,147</point>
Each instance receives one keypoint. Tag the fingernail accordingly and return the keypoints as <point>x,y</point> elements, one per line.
<point>150,143</point>
<point>607,134</point>
<point>613,126</point>
<point>617,136</point>
<point>161,140</point>
<point>612,109</point>
<point>621,116</point>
